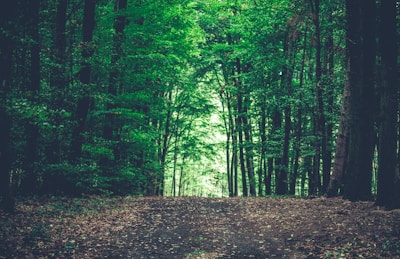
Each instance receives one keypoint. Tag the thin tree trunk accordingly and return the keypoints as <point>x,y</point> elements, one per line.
<point>248,146</point>
<point>286,86</point>
<point>276,164</point>
<point>319,121</point>
<point>240,124</point>
<point>83,104</point>
<point>226,107</point>
<point>263,136</point>
<point>328,71</point>
<point>175,161</point>
<point>159,181</point>
<point>234,159</point>
<point>268,178</point>
<point>180,186</point>
<point>298,129</point>
<point>339,164</point>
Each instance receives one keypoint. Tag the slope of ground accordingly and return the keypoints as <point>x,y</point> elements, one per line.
<point>137,227</point>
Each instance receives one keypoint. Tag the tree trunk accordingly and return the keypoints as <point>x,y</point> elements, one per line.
<point>58,81</point>
<point>361,53</point>
<point>263,136</point>
<point>228,125</point>
<point>319,121</point>
<point>339,164</point>
<point>83,104</point>
<point>29,184</point>
<point>115,73</point>
<point>286,86</point>
<point>268,178</point>
<point>240,123</point>
<point>164,148</point>
<point>387,156</point>
<point>276,164</point>
<point>242,160</point>
<point>299,123</point>
<point>249,147</point>
<point>328,72</point>
<point>7,15</point>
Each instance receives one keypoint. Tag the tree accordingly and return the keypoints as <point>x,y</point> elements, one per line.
<point>87,51</point>
<point>387,191</point>
<point>58,82</point>
<point>360,47</point>
<point>29,182</point>
<point>339,165</point>
<point>7,14</point>
<point>115,83</point>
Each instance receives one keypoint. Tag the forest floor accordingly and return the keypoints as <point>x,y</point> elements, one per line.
<point>189,227</point>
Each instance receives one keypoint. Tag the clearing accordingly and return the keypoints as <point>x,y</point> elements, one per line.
<point>191,227</point>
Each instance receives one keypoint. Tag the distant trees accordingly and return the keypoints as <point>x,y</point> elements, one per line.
<point>200,98</point>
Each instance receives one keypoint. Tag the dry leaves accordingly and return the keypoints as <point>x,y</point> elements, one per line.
<point>189,227</point>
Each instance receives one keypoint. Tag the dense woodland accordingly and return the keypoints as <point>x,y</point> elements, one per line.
<point>200,98</point>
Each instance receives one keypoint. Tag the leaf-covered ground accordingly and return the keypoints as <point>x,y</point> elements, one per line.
<point>130,227</point>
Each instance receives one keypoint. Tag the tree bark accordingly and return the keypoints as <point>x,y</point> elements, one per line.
<point>248,146</point>
<point>29,184</point>
<point>319,121</point>
<point>387,195</point>
<point>299,124</point>
<point>115,74</point>
<point>58,81</point>
<point>328,72</point>
<point>339,164</point>
<point>361,52</point>
<point>83,104</point>
<point>7,15</point>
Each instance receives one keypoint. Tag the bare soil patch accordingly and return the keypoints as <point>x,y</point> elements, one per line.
<point>189,227</point>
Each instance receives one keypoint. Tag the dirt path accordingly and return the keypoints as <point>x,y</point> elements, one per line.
<point>199,228</point>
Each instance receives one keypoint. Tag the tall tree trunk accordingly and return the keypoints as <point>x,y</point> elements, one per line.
<point>115,84</point>
<point>233,136</point>
<point>248,147</point>
<point>328,72</point>
<point>387,195</point>
<point>115,73</point>
<point>361,52</point>
<point>319,121</point>
<point>286,87</point>
<point>29,184</point>
<point>240,143</point>
<point>228,125</point>
<point>164,148</point>
<point>263,137</point>
<point>176,147</point>
<point>58,81</point>
<point>7,15</point>
<point>339,164</point>
<point>299,123</point>
<point>234,168</point>
<point>276,163</point>
<point>240,123</point>
<point>83,104</point>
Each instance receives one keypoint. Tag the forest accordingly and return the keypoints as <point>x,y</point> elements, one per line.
<point>210,98</point>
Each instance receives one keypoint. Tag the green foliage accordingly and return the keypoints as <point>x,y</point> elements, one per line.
<point>159,93</point>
